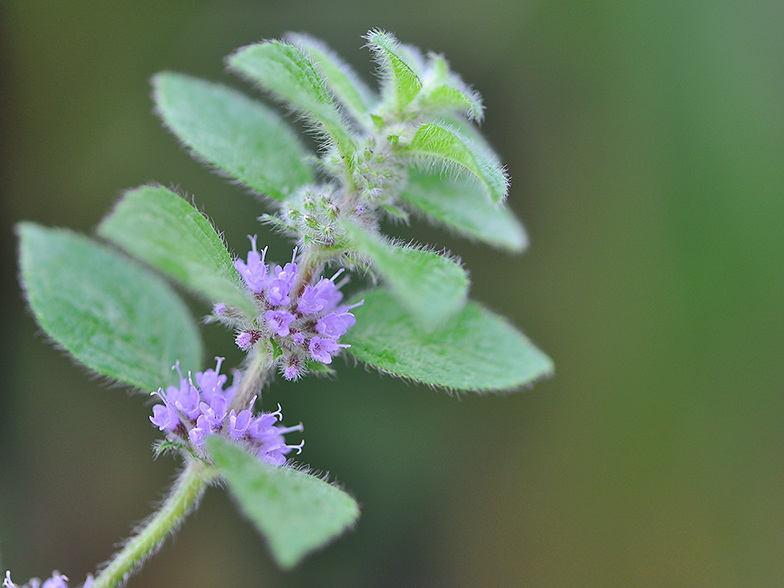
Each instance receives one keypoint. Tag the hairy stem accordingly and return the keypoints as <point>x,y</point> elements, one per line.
<point>185,494</point>
<point>253,377</point>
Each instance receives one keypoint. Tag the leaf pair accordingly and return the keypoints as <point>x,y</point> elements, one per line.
<point>254,144</point>
<point>124,322</point>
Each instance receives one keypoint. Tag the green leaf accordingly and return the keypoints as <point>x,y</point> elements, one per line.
<point>244,138</point>
<point>295,511</point>
<point>430,286</point>
<point>445,98</point>
<point>111,314</point>
<point>444,90</point>
<point>288,73</point>
<point>162,229</point>
<point>471,133</point>
<point>345,84</point>
<point>461,205</point>
<point>401,84</point>
<point>434,142</point>
<point>476,350</point>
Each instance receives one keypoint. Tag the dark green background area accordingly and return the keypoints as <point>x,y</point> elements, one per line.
<point>645,142</point>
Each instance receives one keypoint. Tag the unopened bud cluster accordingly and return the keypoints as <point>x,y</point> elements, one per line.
<point>301,319</point>
<point>194,410</point>
<point>312,215</point>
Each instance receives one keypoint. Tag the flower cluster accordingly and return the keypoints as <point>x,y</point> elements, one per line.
<point>192,411</point>
<point>303,321</point>
<point>56,581</point>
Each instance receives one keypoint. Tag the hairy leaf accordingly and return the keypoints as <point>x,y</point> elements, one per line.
<point>114,316</point>
<point>430,286</point>
<point>295,511</point>
<point>162,229</point>
<point>244,138</point>
<point>462,206</point>
<point>444,90</point>
<point>476,350</point>
<point>288,73</point>
<point>401,84</point>
<point>356,97</point>
<point>437,143</point>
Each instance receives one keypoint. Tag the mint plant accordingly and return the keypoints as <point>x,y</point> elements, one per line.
<point>413,147</point>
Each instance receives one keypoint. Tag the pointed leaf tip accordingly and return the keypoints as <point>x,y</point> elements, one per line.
<point>434,142</point>
<point>294,511</point>
<point>477,350</point>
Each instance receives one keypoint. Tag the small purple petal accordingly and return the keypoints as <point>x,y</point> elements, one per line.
<point>165,417</point>
<point>298,338</point>
<point>238,423</point>
<point>294,368</point>
<point>186,399</point>
<point>56,581</point>
<point>211,382</point>
<point>322,349</point>
<point>246,339</point>
<point>201,430</point>
<point>254,272</point>
<point>278,292</point>
<point>324,295</point>
<point>279,321</point>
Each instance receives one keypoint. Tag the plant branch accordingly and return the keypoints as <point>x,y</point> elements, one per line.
<point>185,494</point>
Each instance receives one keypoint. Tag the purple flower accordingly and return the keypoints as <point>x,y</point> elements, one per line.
<point>263,426</point>
<point>278,292</point>
<point>219,309</point>
<point>185,399</point>
<point>200,431</point>
<point>275,449</point>
<point>215,411</point>
<point>246,339</point>
<point>211,382</point>
<point>293,369</point>
<point>279,321</point>
<point>254,272</point>
<point>238,423</point>
<point>291,372</point>
<point>56,581</point>
<point>324,295</point>
<point>278,289</point>
<point>323,349</point>
<point>335,324</point>
<point>272,446</point>
<point>165,417</point>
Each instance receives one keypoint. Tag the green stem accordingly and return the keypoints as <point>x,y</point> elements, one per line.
<point>185,494</point>
<point>253,378</point>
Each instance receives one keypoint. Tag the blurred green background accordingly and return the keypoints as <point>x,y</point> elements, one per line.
<point>645,142</point>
